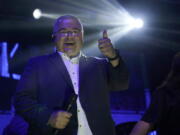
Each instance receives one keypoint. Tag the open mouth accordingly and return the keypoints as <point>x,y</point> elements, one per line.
<point>69,47</point>
<point>68,44</point>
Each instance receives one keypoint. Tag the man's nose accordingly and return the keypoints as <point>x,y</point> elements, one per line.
<point>70,33</point>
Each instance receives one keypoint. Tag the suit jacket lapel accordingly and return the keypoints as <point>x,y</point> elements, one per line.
<point>56,59</point>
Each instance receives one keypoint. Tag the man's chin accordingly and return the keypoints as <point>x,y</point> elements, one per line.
<point>71,54</point>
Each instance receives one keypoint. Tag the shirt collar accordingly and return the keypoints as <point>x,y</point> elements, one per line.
<point>74,60</point>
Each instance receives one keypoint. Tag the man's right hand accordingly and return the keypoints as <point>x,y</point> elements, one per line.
<point>59,119</point>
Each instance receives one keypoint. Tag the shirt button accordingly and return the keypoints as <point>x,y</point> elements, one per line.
<point>78,110</point>
<point>74,83</point>
<point>80,125</point>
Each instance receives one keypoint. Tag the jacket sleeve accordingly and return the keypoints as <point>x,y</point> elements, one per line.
<point>151,115</point>
<point>118,77</point>
<point>157,110</point>
<point>25,99</point>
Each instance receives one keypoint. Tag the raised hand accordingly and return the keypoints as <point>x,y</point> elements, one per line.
<point>106,46</point>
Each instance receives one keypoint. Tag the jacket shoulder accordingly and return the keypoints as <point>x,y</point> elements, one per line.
<point>39,59</point>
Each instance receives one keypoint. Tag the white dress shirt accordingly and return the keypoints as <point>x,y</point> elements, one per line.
<point>72,66</point>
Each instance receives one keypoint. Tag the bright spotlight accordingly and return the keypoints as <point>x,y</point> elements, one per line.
<point>137,23</point>
<point>134,23</point>
<point>37,13</point>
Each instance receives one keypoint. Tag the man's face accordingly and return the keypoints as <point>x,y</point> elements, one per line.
<point>69,37</point>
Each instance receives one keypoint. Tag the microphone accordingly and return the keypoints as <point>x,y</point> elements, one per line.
<point>73,99</point>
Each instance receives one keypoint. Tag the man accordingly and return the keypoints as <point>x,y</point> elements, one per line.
<point>44,91</point>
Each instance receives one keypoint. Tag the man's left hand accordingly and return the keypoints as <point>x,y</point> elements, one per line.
<point>107,49</point>
<point>106,46</point>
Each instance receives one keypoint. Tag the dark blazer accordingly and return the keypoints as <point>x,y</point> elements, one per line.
<point>46,86</point>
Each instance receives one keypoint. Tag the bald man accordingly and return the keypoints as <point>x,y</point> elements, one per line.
<point>43,96</point>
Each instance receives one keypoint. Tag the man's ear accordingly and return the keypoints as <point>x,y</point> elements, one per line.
<point>53,37</point>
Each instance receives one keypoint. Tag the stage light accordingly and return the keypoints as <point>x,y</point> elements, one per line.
<point>109,15</point>
<point>37,13</point>
<point>137,23</point>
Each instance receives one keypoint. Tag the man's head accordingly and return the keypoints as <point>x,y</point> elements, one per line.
<point>68,35</point>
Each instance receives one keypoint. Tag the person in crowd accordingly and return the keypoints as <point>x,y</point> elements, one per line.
<point>163,114</point>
